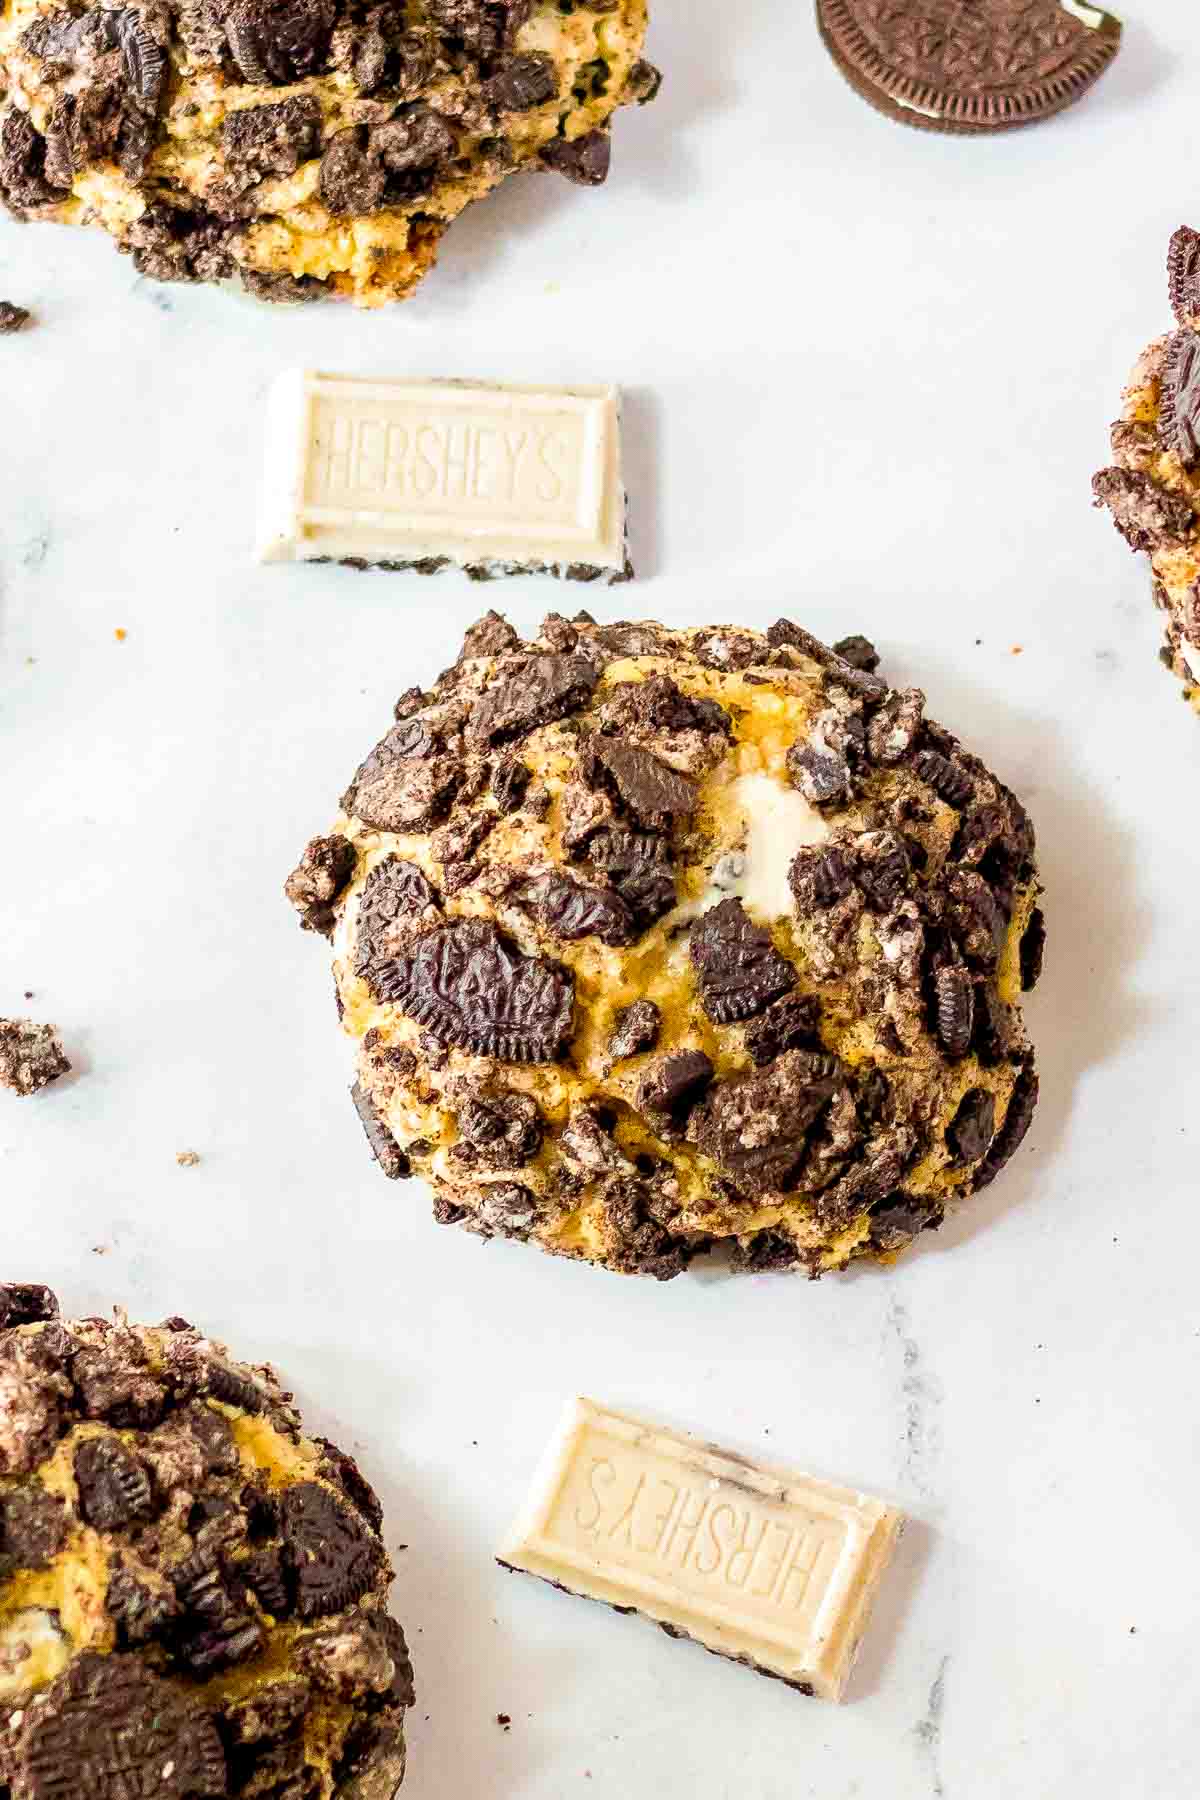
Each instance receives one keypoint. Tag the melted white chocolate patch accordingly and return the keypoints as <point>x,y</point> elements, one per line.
<point>779,821</point>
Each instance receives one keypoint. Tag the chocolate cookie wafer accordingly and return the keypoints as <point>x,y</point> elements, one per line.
<point>969,66</point>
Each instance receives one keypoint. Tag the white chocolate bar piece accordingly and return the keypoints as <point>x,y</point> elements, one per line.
<point>771,1568</point>
<point>498,480</point>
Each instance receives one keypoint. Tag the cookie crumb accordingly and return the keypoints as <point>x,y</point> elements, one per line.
<point>120,634</point>
<point>1017,650</point>
<point>504,1721</point>
<point>187,1159</point>
<point>12,318</point>
<point>31,1056</point>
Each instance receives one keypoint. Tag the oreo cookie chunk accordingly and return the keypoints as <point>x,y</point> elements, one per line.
<point>739,956</point>
<point>1152,487</point>
<point>986,65</point>
<point>311,148</point>
<point>192,1592</point>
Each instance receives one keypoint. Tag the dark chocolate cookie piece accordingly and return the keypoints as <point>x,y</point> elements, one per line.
<point>985,66</point>
<point>672,1085</point>
<point>737,965</point>
<point>387,1153</point>
<point>584,160</point>
<point>1179,397</point>
<point>319,877</point>
<point>636,1029</point>
<point>1017,1120</point>
<point>330,1554</point>
<point>259,141</point>
<point>792,1023</point>
<point>275,42</point>
<point>568,909</point>
<point>530,694</point>
<point>12,318</point>
<point>471,986</point>
<point>26,1303</point>
<point>114,1488</point>
<point>33,1527</point>
<point>1183,276</point>
<point>756,1127</point>
<point>111,1729</point>
<point>1146,514</point>
<point>644,781</point>
<point>973,1126</point>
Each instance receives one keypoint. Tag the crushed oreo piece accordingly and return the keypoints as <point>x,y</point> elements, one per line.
<point>26,1303</point>
<point>897,1219</point>
<point>949,780</point>
<point>471,986</point>
<point>859,652</point>
<point>275,42</point>
<point>644,781</point>
<point>387,1153</point>
<point>534,693</point>
<point>636,1029</point>
<point>114,1488</point>
<point>261,141</point>
<point>492,635</point>
<point>882,865</point>
<point>584,160</point>
<point>12,318</point>
<point>737,965</point>
<point>639,867</point>
<point>523,83</point>
<point>954,1008</point>
<point>672,1085</point>
<point>567,909</point>
<point>329,1552</point>
<point>1017,1120</point>
<point>820,877</point>
<point>497,1130</point>
<point>1033,949</point>
<point>756,1127</point>
<point>1146,514</point>
<point>324,870</point>
<point>1179,397</point>
<point>33,1526</point>
<point>790,1024</point>
<point>973,1126</point>
<point>894,726</point>
<point>510,778</point>
<point>1183,275</point>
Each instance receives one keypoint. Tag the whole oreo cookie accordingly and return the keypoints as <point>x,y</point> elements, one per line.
<point>969,66</point>
<point>192,1592</point>
<point>739,956</point>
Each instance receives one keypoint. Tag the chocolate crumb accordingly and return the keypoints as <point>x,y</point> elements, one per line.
<point>12,318</point>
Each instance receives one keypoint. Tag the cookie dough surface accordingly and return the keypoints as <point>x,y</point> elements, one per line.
<point>651,939</point>
<point>192,1592</point>
<point>1152,488</point>
<point>312,147</point>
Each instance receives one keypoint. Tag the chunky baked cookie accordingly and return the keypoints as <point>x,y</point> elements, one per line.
<point>655,938</point>
<point>1153,487</point>
<point>192,1592</point>
<point>312,147</point>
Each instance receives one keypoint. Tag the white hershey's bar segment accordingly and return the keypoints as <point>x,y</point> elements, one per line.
<point>402,471</point>
<point>772,1568</point>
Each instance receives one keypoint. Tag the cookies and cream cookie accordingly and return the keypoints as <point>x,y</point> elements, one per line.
<point>311,147</point>
<point>192,1592</point>
<point>651,939</point>
<point>1152,488</point>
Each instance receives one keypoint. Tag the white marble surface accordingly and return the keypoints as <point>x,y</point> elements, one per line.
<point>870,374</point>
